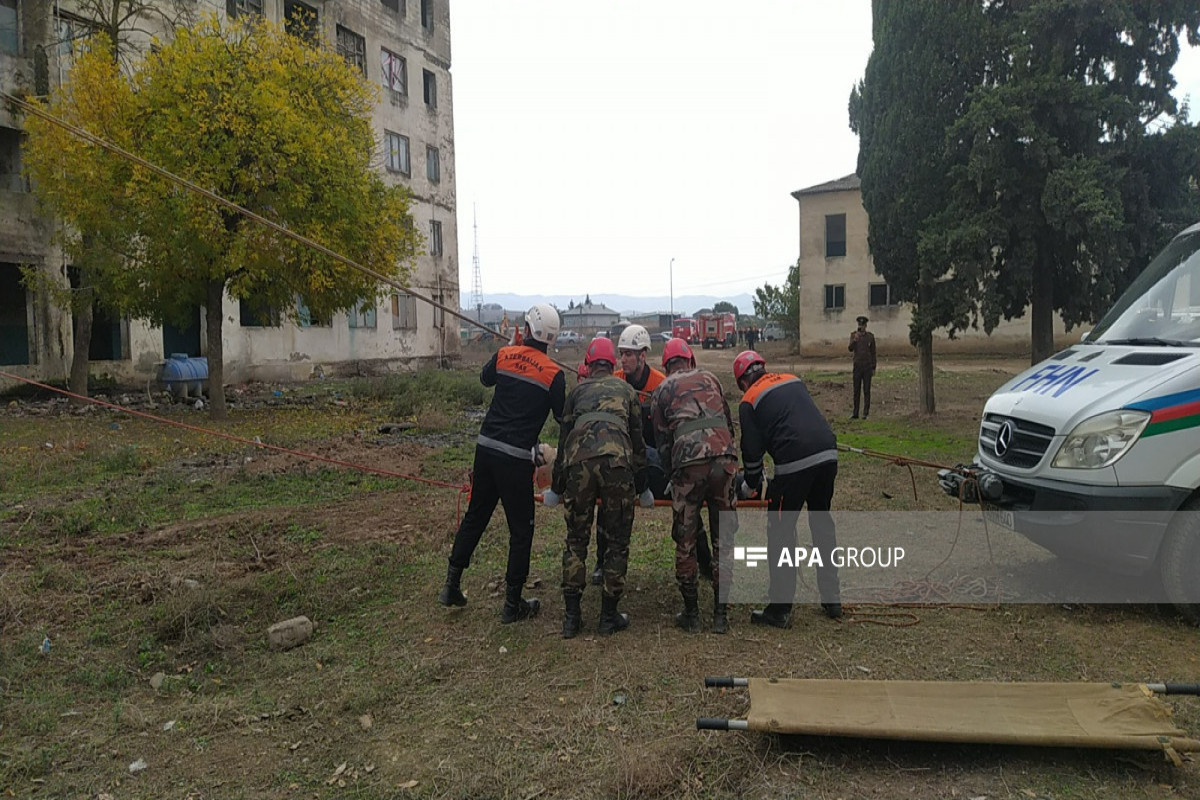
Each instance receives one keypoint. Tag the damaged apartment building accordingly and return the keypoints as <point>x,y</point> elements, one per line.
<point>402,46</point>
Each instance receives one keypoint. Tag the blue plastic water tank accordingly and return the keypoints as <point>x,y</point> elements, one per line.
<point>184,375</point>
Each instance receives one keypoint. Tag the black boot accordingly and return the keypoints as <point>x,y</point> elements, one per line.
<point>572,616</point>
<point>516,609</point>
<point>611,620</point>
<point>451,594</point>
<point>720,618</point>
<point>777,615</point>
<point>832,610</point>
<point>689,618</point>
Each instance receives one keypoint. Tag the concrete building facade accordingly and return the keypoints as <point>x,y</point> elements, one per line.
<point>403,49</point>
<point>838,283</point>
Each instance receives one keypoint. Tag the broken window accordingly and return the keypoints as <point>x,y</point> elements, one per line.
<point>435,238</point>
<point>305,318</point>
<point>430,81</point>
<point>397,152</point>
<point>363,316</point>
<point>835,235</point>
<point>835,297</point>
<point>880,294</point>
<point>11,179</point>
<point>395,71</point>
<point>395,5</point>
<point>353,48</point>
<point>238,8</point>
<point>404,312</point>
<point>9,40</point>
<point>433,165</point>
<point>255,312</point>
<point>427,15</point>
<point>14,317</point>
<point>300,20</point>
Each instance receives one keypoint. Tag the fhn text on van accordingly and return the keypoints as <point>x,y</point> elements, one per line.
<point>839,557</point>
<point>1056,378</point>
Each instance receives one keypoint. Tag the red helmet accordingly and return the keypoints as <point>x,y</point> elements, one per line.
<point>677,348</point>
<point>744,361</point>
<point>601,349</point>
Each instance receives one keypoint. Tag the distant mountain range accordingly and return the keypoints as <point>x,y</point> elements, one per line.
<point>625,304</point>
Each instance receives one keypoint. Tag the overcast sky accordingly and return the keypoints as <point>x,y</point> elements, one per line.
<point>597,141</point>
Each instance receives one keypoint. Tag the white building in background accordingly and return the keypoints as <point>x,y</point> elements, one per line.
<point>401,46</point>
<point>838,283</point>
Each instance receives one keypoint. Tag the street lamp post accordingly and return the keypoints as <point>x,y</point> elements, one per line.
<point>671,269</point>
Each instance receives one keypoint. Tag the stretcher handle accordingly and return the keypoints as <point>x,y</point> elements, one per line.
<point>721,724</point>
<point>725,683</point>
<point>1174,688</point>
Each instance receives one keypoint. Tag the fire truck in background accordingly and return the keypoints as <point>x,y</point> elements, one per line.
<point>718,330</point>
<point>685,328</point>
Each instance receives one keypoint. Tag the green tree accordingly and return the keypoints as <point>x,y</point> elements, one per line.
<point>1048,199</point>
<point>928,55</point>
<point>277,126</point>
<point>781,303</point>
<point>120,29</point>
<point>724,306</point>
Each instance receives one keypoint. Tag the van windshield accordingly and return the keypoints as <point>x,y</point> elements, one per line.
<point>1162,305</point>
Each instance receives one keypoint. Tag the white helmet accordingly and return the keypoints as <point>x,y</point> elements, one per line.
<point>542,320</point>
<point>634,337</point>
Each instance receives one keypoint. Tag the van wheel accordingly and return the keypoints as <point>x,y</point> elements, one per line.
<point>1179,562</point>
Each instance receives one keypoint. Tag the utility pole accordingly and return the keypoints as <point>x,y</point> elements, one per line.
<point>476,279</point>
<point>671,269</point>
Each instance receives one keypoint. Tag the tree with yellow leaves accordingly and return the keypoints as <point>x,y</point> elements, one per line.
<point>266,121</point>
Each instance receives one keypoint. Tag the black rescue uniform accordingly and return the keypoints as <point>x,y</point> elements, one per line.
<point>529,386</point>
<point>778,416</point>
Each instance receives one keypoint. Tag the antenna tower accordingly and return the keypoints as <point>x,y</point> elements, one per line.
<point>476,279</point>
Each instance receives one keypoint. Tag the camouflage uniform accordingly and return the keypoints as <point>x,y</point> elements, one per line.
<point>694,430</point>
<point>602,449</point>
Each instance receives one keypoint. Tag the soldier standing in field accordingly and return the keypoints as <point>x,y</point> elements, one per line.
<point>862,345</point>
<point>602,457</point>
<point>694,430</point>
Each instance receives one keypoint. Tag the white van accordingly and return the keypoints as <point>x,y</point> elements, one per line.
<point>1110,425</point>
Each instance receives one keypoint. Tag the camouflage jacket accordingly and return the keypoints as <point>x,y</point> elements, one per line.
<point>691,419</point>
<point>602,417</point>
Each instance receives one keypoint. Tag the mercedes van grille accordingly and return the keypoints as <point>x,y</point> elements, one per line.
<point>1026,445</point>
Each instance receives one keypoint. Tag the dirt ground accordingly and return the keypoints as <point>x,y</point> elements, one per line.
<point>159,682</point>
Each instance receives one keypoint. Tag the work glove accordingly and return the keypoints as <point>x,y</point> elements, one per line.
<point>646,499</point>
<point>550,498</point>
<point>537,455</point>
<point>669,490</point>
<point>517,339</point>
<point>744,492</point>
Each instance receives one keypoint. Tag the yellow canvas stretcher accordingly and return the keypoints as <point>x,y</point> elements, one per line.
<point>1096,715</point>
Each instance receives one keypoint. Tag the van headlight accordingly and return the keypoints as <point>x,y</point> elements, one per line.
<point>1101,440</point>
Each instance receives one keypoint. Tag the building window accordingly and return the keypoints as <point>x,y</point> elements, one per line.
<point>430,81</point>
<point>254,312</point>
<point>11,179</point>
<point>363,316</point>
<point>435,238</point>
<point>835,297</point>
<point>880,294</point>
<point>427,15</point>
<point>300,20</point>
<point>9,40</point>
<point>395,5</point>
<point>393,71</point>
<point>14,317</point>
<point>397,153</point>
<point>433,165</point>
<point>353,48</point>
<point>305,318</point>
<point>238,8</point>
<point>71,34</point>
<point>404,312</point>
<point>835,235</point>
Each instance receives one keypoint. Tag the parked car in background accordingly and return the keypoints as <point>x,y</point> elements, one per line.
<point>773,331</point>
<point>567,338</point>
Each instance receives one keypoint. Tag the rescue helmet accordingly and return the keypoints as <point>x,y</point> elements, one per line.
<point>542,320</point>
<point>677,348</point>
<point>634,337</point>
<point>600,349</point>
<point>744,361</point>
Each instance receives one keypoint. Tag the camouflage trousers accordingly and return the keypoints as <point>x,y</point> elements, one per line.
<point>586,482</point>
<point>691,486</point>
